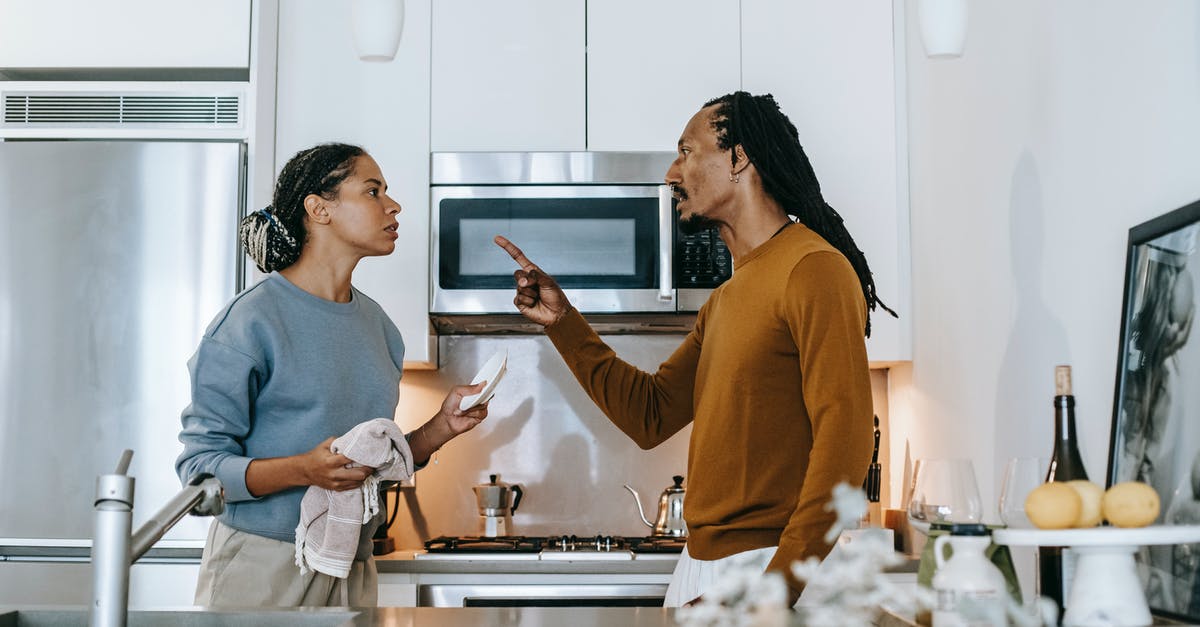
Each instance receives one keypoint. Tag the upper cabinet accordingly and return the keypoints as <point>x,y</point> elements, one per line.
<point>652,65</point>
<point>124,34</point>
<point>325,93</point>
<point>835,71</point>
<point>508,75</point>
<point>575,75</point>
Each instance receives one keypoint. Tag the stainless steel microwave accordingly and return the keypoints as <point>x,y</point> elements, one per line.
<point>603,224</point>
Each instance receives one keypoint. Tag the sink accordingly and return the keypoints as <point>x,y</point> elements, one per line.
<point>78,617</point>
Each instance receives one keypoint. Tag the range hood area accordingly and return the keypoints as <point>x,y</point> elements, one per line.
<point>604,324</point>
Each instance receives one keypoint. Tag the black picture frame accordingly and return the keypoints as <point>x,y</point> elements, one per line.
<point>1156,407</point>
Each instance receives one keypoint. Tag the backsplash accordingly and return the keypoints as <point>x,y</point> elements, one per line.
<point>544,434</point>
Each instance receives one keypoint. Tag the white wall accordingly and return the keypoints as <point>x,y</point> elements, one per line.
<point>1063,125</point>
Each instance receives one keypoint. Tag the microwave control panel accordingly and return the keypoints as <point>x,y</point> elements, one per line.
<point>702,260</point>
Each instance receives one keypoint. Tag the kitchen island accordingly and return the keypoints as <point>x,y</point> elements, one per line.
<point>377,617</point>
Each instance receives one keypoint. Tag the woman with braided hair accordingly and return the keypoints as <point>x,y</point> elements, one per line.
<point>773,377</point>
<point>288,365</point>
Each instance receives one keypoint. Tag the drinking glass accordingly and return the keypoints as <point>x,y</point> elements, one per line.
<point>945,492</point>
<point>1021,476</point>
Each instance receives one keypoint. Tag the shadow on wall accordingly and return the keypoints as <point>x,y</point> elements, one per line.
<point>543,433</point>
<point>1024,425</point>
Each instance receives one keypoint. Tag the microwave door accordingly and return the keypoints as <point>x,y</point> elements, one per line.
<point>604,244</point>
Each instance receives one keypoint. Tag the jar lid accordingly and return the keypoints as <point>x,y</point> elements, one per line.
<point>969,529</point>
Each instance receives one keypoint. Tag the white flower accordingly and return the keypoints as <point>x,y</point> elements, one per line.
<point>849,588</point>
<point>849,504</point>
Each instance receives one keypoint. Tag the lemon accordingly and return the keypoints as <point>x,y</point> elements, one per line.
<point>1053,505</point>
<point>1131,504</point>
<point>1090,496</point>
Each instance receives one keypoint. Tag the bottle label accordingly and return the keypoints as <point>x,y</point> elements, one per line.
<point>974,608</point>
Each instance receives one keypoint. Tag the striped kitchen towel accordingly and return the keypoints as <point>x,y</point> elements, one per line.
<point>331,522</point>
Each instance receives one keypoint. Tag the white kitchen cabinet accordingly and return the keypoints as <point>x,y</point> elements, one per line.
<point>325,93</point>
<point>508,75</point>
<point>651,65</point>
<point>68,581</point>
<point>835,71</point>
<point>124,34</point>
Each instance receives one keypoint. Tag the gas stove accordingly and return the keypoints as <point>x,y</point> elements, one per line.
<point>561,547</point>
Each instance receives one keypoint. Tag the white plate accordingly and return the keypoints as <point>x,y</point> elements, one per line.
<point>492,372</point>
<point>1099,536</point>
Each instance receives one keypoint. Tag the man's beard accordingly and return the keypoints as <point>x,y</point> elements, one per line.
<point>696,223</point>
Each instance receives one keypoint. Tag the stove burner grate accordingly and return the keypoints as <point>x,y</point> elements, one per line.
<point>536,544</point>
<point>482,544</point>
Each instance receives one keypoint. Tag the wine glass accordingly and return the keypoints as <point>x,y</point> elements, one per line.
<point>1021,476</point>
<point>944,492</point>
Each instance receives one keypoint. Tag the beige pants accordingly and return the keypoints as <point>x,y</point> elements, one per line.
<point>240,569</point>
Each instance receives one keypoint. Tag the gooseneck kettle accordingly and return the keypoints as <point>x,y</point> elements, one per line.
<point>670,510</point>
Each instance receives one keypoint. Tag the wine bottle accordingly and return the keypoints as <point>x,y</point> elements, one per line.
<point>1065,465</point>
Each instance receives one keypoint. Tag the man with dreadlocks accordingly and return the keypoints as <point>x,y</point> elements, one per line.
<point>773,376</point>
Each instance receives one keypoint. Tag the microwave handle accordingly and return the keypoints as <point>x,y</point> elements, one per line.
<point>666,240</point>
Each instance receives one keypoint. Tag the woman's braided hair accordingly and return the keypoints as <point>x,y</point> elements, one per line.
<point>772,144</point>
<point>274,236</point>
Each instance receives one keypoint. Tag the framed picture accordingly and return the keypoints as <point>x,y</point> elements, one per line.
<point>1156,412</point>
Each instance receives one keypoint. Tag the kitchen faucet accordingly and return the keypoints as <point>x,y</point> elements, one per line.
<point>115,549</point>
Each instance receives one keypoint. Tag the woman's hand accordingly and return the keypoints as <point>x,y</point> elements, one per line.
<point>332,471</point>
<point>457,421</point>
<point>320,467</point>
<point>448,423</point>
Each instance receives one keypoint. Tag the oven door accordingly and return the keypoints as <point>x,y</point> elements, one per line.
<point>608,246</point>
<point>541,595</point>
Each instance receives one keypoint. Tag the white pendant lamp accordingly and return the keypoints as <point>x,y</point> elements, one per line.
<point>943,27</point>
<point>377,27</point>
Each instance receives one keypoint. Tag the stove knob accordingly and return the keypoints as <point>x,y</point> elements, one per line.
<point>599,542</point>
<point>608,543</point>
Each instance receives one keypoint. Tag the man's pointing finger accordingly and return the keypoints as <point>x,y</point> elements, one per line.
<point>514,252</point>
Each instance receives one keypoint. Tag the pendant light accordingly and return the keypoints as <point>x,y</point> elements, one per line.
<point>943,27</point>
<point>377,27</point>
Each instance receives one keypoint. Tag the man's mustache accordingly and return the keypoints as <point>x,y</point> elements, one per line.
<point>678,192</point>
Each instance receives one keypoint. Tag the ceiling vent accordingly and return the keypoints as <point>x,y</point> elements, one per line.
<point>121,109</point>
<point>76,111</point>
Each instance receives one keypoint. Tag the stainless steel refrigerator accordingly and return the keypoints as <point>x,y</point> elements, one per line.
<point>114,256</point>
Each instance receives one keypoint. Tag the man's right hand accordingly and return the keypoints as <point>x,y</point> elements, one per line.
<point>539,298</point>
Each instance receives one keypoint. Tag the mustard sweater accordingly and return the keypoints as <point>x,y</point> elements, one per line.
<point>774,375</point>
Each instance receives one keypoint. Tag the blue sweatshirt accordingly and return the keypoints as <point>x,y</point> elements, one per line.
<point>277,372</point>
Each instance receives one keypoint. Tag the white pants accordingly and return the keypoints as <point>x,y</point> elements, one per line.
<point>694,577</point>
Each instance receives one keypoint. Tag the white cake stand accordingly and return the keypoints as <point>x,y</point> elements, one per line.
<point>1106,590</point>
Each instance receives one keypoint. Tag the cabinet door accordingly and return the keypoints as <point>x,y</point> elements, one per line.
<point>325,93</point>
<point>124,34</point>
<point>652,64</point>
<point>508,75</point>
<point>832,68</point>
